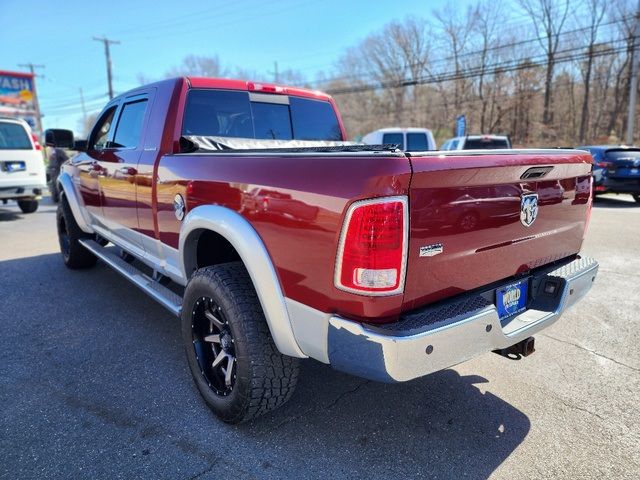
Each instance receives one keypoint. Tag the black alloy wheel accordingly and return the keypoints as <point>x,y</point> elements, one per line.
<point>63,238</point>
<point>234,361</point>
<point>214,345</point>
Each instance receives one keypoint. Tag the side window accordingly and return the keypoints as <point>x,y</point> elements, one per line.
<point>314,120</point>
<point>129,129</point>
<point>100,133</point>
<point>417,142</point>
<point>445,145</point>
<point>393,138</point>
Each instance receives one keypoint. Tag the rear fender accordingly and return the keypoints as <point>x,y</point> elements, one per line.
<point>246,241</point>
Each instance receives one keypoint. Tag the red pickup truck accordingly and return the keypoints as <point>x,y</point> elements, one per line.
<point>240,208</point>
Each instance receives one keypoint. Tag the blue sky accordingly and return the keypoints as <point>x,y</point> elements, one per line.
<point>302,35</point>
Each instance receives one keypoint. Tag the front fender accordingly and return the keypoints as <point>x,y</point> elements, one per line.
<point>246,241</point>
<point>65,184</point>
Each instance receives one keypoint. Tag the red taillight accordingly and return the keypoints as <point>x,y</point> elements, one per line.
<point>267,88</point>
<point>36,143</point>
<point>604,164</point>
<point>372,249</point>
<point>589,208</point>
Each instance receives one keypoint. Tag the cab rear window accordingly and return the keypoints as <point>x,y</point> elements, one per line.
<point>393,139</point>
<point>13,136</point>
<point>228,113</point>
<point>417,142</point>
<point>486,144</point>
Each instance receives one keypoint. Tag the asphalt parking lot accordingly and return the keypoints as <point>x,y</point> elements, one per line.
<point>94,384</point>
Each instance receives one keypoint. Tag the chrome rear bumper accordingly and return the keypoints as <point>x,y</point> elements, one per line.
<point>441,336</point>
<point>21,191</point>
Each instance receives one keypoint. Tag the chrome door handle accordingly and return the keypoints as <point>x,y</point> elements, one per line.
<point>96,169</point>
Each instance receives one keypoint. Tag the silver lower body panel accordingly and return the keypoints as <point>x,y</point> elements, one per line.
<point>447,334</point>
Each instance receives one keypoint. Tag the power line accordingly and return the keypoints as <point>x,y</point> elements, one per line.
<point>530,92</point>
<point>473,53</point>
<point>498,67</point>
<point>73,101</point>
<point>107,54</point>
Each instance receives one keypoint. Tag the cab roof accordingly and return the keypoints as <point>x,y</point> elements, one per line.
<point>262,87</point>
<point>231,84</point>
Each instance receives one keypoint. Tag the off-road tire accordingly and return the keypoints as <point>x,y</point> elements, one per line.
<point>28,206</point>
<point>264,378</point>
<point>74,255</point>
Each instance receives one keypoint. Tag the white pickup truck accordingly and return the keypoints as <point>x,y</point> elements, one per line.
<point>22,170</point>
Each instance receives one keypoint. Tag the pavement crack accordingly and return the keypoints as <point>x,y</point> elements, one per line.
<point>582,409</point>
<point>294,418</point>
<point>344,394</point>
<point>204,472</point>
<point>622,364</point>
<point>329,406</point>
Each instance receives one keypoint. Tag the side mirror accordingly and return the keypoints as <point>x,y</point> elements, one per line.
<point>80,145</point>
<point>59,138</point>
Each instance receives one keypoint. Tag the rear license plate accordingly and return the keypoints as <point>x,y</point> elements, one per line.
<point>17,166</point>
<point>512,299</point>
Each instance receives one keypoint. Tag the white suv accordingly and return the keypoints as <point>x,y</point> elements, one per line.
<point>22,171</point>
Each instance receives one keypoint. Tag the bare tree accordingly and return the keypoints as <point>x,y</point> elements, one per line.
<point>488,18</point>
<point>553,85</point>
<point>624,11</point>
<point>596,10</point>
<point>395,60</point>
<point>549,18</point>
<point>457,28</point>
<point>198,66</point>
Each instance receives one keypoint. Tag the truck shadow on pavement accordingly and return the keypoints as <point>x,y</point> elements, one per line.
<point>10,211</point>
<point>107,366</point>
<point>441,426</point>
<point>7,215</point>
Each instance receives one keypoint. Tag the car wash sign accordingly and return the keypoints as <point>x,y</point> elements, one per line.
<point>17,95</point>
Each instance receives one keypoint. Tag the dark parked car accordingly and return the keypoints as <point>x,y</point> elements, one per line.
<point>616,169</point>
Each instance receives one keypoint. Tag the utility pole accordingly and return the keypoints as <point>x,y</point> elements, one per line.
<point>107,54</point>
<point>36,104</point>
<point>633,87</point>
<point>84,110</point>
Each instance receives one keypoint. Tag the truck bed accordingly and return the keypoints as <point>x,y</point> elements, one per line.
<point>469,203</point>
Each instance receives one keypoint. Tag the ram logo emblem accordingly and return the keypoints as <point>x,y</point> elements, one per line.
<point>528,209</point>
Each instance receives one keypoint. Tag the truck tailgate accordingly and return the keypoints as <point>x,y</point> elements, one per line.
<point>466,229</point>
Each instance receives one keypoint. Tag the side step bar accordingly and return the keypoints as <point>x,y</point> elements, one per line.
<point>167,298</point>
